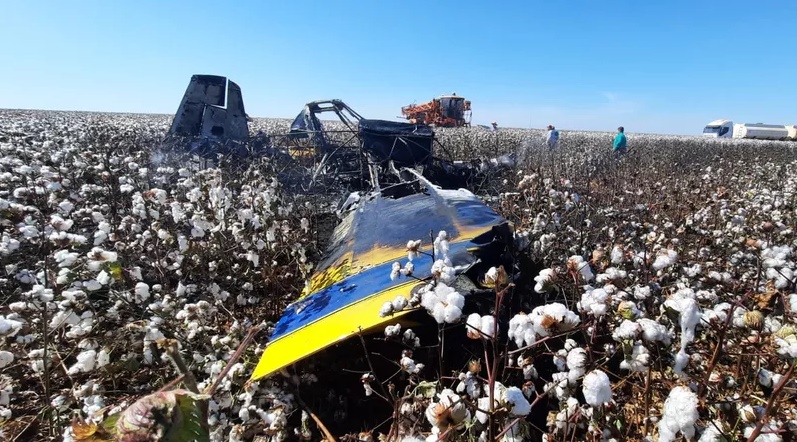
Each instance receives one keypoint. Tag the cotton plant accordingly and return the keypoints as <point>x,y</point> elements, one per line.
<point>171,227</point>
<point>97,251</point>
<point>679,414</point>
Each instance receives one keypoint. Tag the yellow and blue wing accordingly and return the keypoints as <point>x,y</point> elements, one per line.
<point>349,287</point>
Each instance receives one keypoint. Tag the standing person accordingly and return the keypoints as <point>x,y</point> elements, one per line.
<point>619,145</point>
<point>552,137</point>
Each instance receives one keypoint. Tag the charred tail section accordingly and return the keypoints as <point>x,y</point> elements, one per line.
<point>211,122</point>
<point>212,107</point>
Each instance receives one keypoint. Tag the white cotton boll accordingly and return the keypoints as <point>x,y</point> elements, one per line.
<point>679,414</point>
<point>254,258</point>
<point>544,280</point>
<point>9,327</point>
<point>717,315</point>
<point>103,358</point>
<point>443,271</point>
<point>529,371</point>
<point>515,402</point>
<point>429,300</point>
<point>692,271</point>
<point>782,277</point>
<point>491,275</point>
<point>638,361</point>
<point>576,363</point>
<point>576,358</point>
<point>392,330</point>
<point>483,404</point>
<point>410,338</point>
<point>243,414</point>
<point>182,243</point>
<point>456,300</point>
<point>29,231</point>
<point>473,325</point>
<point>771,324</point>
<point>100,237</point>
<point>413,245</point>
<point>611,274</point>
<point>768,378</point>
<point>85,362</point>
<point>61,318</point>
<point>681,360</point>
<point>652,331</point>
<point>793,302</point>
<point>409,365</point>
<point>452,313</point>
<point>521,330</point>
<point>594,302</point>
<point>399,304</point>
<point>141,292</point>
<point>66,206</point>
<point>642,292</point>
<point>488,326</point>
<point>104,278</point>
<point>769,433</point>
<point>395,271</point>
<point>690,317</point>
<point>787,346</point>
<point>439,313</point>
<point>6,358</point>
<point>386,309</point>
<point>738,317</point>
<point>577,263</point>
<point>560,360</point>
<point>626,331</point>
<point>596,388</point>
<point>441,244</point>
<point>712,433</point>
<point>551,318</point>
<point>468,383</point>
<point>617,254</point>
<point>665,259</point>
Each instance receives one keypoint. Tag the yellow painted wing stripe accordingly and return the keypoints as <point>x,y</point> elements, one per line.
<point>328,330</point>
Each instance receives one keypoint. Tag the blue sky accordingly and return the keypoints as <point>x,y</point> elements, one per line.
<point>652,66</point>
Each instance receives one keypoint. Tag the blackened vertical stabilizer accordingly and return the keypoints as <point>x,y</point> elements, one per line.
<point>212,107</point>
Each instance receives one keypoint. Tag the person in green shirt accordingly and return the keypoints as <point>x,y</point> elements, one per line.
<point>619,145</point>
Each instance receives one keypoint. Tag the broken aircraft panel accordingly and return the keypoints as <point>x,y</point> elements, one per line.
<point>212,107</point>
<point>353,281</point>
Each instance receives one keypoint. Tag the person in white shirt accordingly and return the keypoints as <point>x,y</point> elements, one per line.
<point>552,136</point>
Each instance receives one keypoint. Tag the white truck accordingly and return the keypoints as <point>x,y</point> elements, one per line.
<point>726,129</point>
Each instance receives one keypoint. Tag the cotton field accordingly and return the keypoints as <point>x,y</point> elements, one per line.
<point>654,296</point>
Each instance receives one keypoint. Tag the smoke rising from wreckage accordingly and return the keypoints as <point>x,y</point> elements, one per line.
<point>105,254</point>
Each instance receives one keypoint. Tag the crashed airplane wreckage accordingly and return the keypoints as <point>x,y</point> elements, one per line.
<point>211,122</point>
<point>402,193</point>
<point>352,283</point>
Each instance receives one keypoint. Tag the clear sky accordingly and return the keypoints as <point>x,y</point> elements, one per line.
<point>653,66</point>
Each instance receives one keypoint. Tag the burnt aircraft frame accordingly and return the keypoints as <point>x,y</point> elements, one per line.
<point>211,122</point>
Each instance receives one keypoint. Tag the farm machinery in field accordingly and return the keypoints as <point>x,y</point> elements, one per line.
<point>444,111</point>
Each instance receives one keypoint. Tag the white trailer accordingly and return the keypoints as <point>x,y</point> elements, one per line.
<point>759,131</point>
